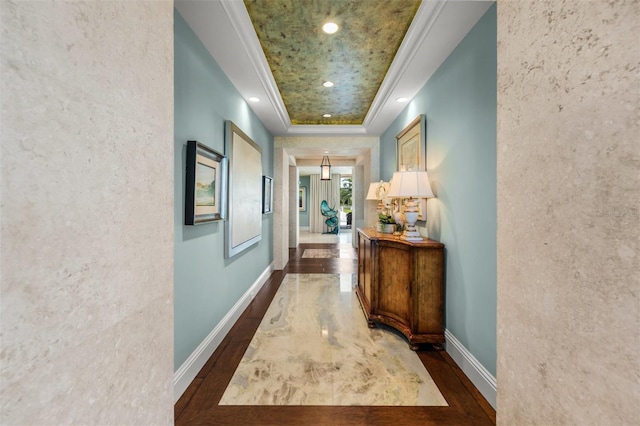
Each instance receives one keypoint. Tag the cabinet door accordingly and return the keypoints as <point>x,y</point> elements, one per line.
<point>428,292</point>
<point>393,281</point>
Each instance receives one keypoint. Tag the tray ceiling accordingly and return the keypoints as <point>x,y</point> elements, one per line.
<point>367,85</point>
<point>301,56</point>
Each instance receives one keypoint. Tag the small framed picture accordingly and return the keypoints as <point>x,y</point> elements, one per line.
<point>206,185</point>
<point>302,199</point>
<point>267,195</point>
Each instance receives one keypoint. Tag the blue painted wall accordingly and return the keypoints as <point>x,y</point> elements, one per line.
<point>304,216</point>
<point>459,101</point>
<point>206,285</point>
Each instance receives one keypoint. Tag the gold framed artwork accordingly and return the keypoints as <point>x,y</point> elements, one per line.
<point>411,154</point>
<point>411,146</point>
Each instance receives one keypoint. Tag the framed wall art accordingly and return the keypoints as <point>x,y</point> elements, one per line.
<point>411,146</point>
<point>267,195</point>
<point>411,154</point>
<point>206,185</point>
<point>302,199</point>
<point>243,227</point>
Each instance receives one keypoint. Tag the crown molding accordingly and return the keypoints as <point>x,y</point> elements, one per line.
<point>420,27</point>
<point>241,23</point>
<point>326,129</point>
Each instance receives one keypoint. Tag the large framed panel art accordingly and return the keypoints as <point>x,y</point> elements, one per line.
<point>244,223</point>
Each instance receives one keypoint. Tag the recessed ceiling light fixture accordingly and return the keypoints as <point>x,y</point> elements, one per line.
<point>254,99</point>
<point>402,99</point>
<point>326,115</point>
<point>328,84</point>
<point>330,27</point>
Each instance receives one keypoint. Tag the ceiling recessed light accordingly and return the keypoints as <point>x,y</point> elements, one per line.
<point>254,99</point>
<point>330,27</point>
<point>328,84</point>
<point>326,115</point>
<point>402,99</point>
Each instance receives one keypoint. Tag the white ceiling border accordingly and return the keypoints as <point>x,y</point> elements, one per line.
<point>241,23</point>
<point>331,129</point>
<point>420,27</point>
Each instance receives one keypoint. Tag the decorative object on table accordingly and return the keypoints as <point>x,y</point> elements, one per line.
<point>398,216</point>
<point>410,185</point>
<point>325,168</point>
<point>411,153</point>
<point>206,185</point>
<point>332,220</point>
<point>267,195</point>
<point>302,199</point>
<point>244,224</point>
<point>387,223</point>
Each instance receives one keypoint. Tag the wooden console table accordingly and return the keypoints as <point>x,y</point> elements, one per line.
<point>400,283</point>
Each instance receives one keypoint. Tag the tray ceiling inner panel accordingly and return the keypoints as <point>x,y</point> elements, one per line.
<point>355,58</point>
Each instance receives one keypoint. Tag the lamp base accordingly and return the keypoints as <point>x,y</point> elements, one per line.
<point>411,216</point>
<point>411,236</point>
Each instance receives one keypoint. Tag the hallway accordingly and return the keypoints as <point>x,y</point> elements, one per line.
<point>204,401</point>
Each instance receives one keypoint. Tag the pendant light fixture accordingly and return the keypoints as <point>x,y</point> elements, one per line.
<point>325,168</point>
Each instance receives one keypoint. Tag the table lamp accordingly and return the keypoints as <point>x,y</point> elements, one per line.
<point>410,185</point>
<point>378,191</point>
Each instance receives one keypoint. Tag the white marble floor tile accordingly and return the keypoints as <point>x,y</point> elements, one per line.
<point>313,347</point>
<point>344,237</point>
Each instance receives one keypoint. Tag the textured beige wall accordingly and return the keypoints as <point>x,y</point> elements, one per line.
<point>86,212</point>
<point>568,219</point>
<point>294,216</point>
<point>280,209</point>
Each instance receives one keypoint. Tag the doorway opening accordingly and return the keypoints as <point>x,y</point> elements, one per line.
<point>346,201</point>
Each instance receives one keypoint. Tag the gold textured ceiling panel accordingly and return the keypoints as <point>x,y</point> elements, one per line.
<point>356,58</point>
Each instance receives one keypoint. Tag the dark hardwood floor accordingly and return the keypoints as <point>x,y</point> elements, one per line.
<point>199,404</point>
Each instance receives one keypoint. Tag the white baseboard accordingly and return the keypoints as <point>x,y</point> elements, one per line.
<point>304,228</point>
<point>183,377</point>
<point>479,376</point>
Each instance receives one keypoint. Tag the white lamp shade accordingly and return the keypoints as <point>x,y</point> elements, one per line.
<point>410,184</point>
<point>377,190</point>
<point>371,194</point>
<point>325,172</point>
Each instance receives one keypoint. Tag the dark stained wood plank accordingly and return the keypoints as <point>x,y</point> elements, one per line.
<point>475,393</point>
<point>325,415</point>
<point>184,400</point>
